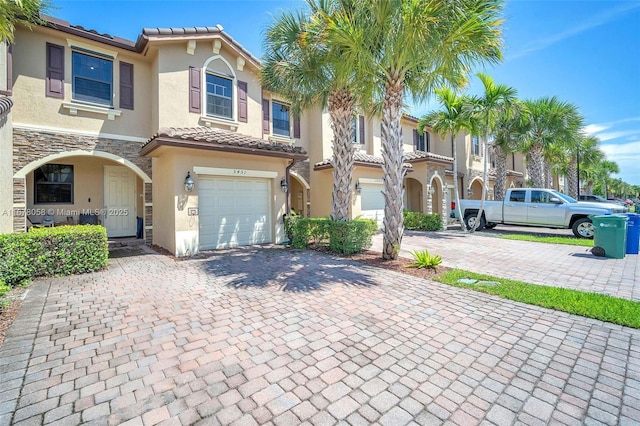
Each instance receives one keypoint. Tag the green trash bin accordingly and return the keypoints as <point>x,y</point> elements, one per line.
<point>610,234</point>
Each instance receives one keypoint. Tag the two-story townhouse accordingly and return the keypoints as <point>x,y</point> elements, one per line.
<point>174,129</point>
<point>428,182</point>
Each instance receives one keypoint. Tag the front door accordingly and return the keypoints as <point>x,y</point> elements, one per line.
<point>119,214</point>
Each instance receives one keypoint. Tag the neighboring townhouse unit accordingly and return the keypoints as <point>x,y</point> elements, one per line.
<point>108,130</point>
<point>173,137</point>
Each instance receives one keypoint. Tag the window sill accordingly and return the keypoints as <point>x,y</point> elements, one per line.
<point>210,121</point>
<point>74,108</point>
<point>286,140</point>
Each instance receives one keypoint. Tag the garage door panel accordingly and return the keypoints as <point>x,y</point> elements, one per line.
<point>234,212</point>
<point>372,202</point>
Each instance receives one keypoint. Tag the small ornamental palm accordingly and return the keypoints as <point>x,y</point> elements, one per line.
<point>422,259</point>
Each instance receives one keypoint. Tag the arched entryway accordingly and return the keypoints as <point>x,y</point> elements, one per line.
<point>78,186</point>
<point>298,194</point>
<point>413,195</point>
<point>436,191</point>
<point>475,192</point>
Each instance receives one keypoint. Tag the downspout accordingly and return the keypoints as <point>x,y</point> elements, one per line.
<point>286,177</point>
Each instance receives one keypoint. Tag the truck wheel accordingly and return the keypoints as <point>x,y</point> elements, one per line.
<point>583,228</point>
<point>470,221</point>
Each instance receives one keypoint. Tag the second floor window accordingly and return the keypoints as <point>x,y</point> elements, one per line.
<point>476,145</point>
<point>92,78</point>
<point>281,119</point>
<point>219,96</point>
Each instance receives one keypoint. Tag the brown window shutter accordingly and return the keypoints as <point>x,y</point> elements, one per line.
<point>195,82</point>
<point>126,85</point>
<point>361,129</point>
<point>427,141</point>
<point>242,101</point>
<point>296,126</point>
<point>415,140</point>
<point>55,71</point>
<point>265,116</point>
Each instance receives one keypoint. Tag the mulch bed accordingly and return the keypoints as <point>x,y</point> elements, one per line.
<point>9,312</point>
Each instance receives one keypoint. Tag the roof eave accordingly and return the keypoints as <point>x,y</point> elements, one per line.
<point>154,144</point>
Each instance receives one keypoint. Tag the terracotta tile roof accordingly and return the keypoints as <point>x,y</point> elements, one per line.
<point>143,38</point>
<point>187,31</point>
<point>219,139</point>
<point>5,104</point>
<point>359,157</point>
<point>415,156</point>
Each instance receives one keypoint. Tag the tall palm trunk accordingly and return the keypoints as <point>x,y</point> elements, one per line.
<point>535,166</point>
<point>341,104</point>
<point>572,177</point>
<point>392,154</point>
<point>548,175</point>
<point>499,187</point>
<point>454,148</point>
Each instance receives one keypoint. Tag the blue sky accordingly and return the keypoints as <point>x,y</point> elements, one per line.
<point>586,52</point>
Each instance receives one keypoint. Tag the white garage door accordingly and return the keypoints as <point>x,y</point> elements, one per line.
<point>233,212</point>
<point>372,202</point>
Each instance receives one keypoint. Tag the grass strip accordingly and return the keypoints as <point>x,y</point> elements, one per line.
<point>591,305</point>
<point>551,240</point>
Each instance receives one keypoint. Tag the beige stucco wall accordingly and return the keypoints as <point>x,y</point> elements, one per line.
<point>6,175</point>
<point>173,64</point>
<point>174,229</point>
<point>88,190</point>
<point>32,107</point>
<point>3,66</point>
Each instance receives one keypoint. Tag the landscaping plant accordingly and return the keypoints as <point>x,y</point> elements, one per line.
<point>423,259</point>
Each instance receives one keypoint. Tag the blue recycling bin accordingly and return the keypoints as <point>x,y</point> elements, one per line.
<point>633,233</point>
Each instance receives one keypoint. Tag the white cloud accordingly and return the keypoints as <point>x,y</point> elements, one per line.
<point>593,129</point>
<point>594,22</point>
<point>607,136</point>
<point>627,157</point>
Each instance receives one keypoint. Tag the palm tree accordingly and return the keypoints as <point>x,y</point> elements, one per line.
<point>453,118</point>
<point>496,99</point>
<point>507,133</point>
<point>584,152</point>
<point>300,65</point>
<point>24,12</point>
<point>412,46</point>
<point>549,121</point>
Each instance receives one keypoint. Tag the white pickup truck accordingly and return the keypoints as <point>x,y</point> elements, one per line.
<point>537,207</point>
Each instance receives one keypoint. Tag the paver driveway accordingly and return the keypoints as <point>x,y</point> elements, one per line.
<point>267,335</point>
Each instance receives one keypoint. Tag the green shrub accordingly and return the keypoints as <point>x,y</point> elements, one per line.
<point>422,259</point>
<point>351,237</point>
<point>62,250</point>
<point>417,221</point>
<point>289,224</point>
<point>341,237</point>
<point>4,289</point>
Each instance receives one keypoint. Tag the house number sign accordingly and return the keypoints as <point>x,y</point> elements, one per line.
<point>239,172</point>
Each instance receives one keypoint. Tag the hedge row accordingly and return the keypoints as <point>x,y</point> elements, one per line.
<point>341,237</point>
<point>58,251</point>
<point>417,221</point>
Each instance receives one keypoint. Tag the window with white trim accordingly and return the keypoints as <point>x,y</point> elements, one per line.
<point>280,119</point>
<point>476,145</point>
<point>92,77</point>
<point>219,95</point>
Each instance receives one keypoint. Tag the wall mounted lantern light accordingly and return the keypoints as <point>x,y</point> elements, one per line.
<point>358,187</point>
<point>188,183</point>
<point>283,185</point>
<point>432,190</point>
<point>469,192</point>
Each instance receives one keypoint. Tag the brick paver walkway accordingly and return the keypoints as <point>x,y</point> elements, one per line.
<point>537,263</point>
<point>271,336</point>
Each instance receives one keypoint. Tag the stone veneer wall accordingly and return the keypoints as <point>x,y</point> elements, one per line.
<point>32,145</point>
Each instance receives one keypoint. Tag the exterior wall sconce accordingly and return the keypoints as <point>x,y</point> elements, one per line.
<point>358,187</point>
<point>283,185</point>
<point>469,192</point>
<point>188,183</point>
<point>432,191</point>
